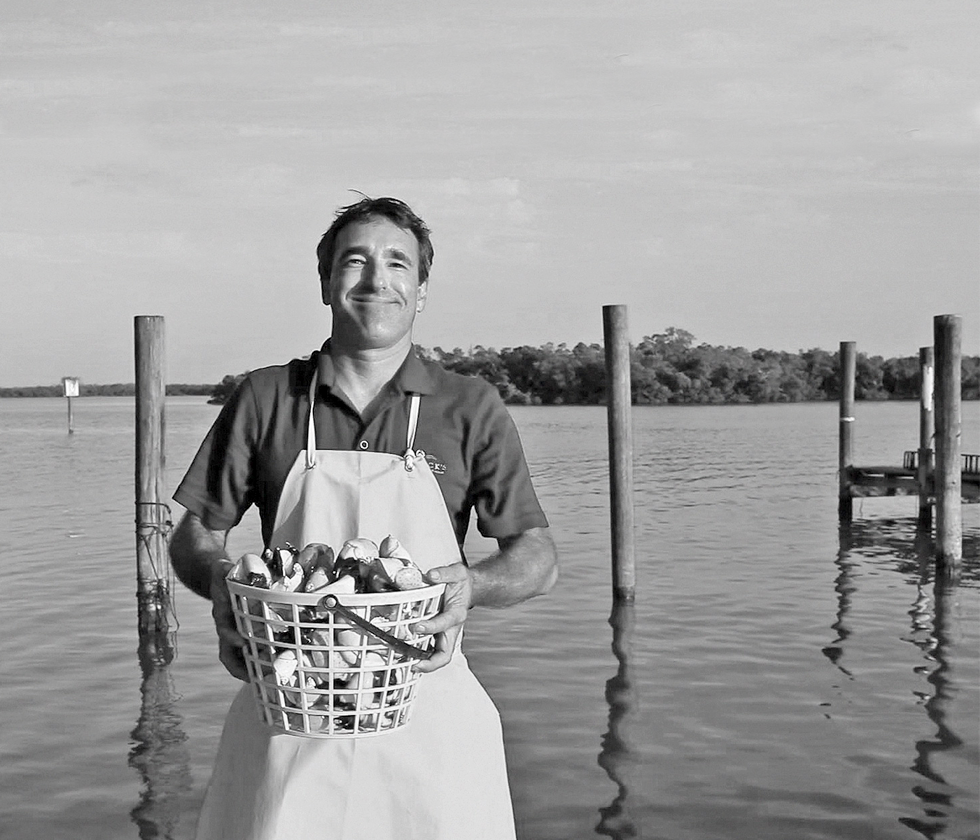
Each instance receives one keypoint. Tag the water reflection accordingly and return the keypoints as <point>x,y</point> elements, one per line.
<point>159,752</point>
<point>898,543</point>
<point>937,648</point>
<point>933,628</point>
<point>617,757</point>
<point>844,587</point>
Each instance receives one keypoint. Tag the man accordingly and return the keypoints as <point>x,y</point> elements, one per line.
<point>295,441</point>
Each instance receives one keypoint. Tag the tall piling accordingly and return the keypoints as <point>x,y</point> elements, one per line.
<point>159,752</point>
<point>927,427</point>
<point>845,454</point>
<point>948,476</point>
<point>152,513</point>
<point>620,423</point>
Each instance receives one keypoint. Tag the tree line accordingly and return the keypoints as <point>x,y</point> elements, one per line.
<point>116,389</point>
<point>667,368</point>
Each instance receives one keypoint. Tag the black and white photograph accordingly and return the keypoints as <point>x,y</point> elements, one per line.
<point>530,420</point>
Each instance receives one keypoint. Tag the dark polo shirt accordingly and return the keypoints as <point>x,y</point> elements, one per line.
<point>470,441</point>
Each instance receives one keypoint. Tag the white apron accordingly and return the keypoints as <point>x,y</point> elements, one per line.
<point>440,777</point>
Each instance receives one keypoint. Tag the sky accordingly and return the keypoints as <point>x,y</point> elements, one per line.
<point>759,173</point>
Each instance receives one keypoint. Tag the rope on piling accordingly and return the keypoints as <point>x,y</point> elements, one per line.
<point>163,589</point>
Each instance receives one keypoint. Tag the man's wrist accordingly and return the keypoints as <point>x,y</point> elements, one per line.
<point>478,584</point>
<point>218,567</point>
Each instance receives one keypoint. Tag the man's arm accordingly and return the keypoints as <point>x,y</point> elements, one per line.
<point>523,567</point>
<point>201,563</point>
<point>194,551</point>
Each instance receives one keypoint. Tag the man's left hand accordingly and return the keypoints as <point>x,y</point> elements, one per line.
<point>447,625</point>
<point>524,566</point>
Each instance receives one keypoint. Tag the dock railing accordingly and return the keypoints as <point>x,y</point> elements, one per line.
<point>970,463</point>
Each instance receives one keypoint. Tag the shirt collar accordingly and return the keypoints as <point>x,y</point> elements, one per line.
<point>411,378</point>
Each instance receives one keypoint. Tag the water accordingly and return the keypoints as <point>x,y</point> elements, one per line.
<point>775,679</point>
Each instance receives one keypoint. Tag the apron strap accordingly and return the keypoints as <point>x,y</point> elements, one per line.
<point>310,428</point>
<point>413,422</point>
<point>411,454</point>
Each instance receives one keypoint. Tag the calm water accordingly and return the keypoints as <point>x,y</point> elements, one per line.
<point>776,678</point>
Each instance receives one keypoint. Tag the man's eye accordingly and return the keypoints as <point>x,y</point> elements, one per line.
<point>354,261</point>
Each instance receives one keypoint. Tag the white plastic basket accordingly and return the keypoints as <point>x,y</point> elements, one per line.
<point>317,674</point>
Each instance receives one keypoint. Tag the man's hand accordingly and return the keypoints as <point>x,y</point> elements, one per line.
<point>201,562</point>
<point>525,565</point>
<point>230,641</point>
<point>447,625</point>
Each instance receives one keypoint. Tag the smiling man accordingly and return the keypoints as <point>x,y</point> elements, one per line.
<point>373,283</point>
<point>320,446</point>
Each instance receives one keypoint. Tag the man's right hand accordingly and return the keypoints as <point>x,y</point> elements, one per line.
<point>201,562</point>
<point>230,641</point>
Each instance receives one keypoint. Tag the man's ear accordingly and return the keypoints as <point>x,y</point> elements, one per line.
<point>422,295</point>
<point>325,288</point>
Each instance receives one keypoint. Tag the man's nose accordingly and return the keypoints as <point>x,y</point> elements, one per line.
<point>374,275</point>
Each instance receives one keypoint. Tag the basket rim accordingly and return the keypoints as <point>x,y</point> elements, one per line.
<point>348,599</point>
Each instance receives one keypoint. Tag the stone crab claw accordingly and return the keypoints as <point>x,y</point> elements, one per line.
<point>251,569</point>
<point>355,558</point>
<point>316,556</point>
<point>290,582</point>
<point>360,549</point>
<point>387,573</point>
<point>406,576</point>
<point>390,547</point>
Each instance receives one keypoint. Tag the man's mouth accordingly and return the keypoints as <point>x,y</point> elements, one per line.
<point>372,300</point>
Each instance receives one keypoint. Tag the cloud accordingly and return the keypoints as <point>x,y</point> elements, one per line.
<point>275,132</point>
<point>79,248</point>
<point>62,87</point>
<point>18,246</point>
<point>469,188</point>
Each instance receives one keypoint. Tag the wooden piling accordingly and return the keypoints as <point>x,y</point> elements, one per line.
<point>927,427</point>
<point>845,458</point>
<point>152,513</point>
<point>620,423</point>
<point>948,477</point>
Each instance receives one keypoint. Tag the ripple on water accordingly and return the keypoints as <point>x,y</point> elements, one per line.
<point>775,678</point>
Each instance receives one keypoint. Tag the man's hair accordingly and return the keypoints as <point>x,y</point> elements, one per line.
<point>395,211</point>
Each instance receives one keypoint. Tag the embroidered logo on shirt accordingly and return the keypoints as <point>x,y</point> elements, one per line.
<point>436,467</point>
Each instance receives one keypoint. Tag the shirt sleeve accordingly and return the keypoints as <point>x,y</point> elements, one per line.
<point>501,491</point>
<point>220,484</point>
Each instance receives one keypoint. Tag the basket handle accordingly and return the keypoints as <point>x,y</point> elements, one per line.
<point>330,602</point>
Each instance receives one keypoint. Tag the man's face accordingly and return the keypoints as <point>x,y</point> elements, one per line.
<point>373,287</point>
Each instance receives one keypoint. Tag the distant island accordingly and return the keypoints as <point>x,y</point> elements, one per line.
<point>116,389</point>
<point>668,368</point>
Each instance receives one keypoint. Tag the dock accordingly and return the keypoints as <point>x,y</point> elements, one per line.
<point>872,481</point>
<point>938,473</point>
